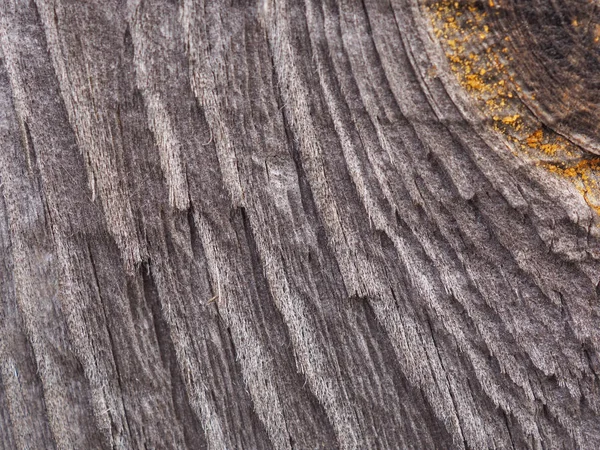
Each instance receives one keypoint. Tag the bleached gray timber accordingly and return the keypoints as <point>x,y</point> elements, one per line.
<point>260,224</point>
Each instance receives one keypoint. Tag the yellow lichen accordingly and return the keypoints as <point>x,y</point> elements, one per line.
<point>535,138</point>
<point>480,60</point>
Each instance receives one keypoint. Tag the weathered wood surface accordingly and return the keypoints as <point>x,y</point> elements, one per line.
<point>284,224</point>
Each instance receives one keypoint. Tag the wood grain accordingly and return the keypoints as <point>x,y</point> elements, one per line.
<point>282,224</point>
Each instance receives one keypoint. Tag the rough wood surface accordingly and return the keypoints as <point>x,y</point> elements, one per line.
<point>283,224</point>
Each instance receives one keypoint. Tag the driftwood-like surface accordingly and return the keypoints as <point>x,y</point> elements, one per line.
<point>294,224</point>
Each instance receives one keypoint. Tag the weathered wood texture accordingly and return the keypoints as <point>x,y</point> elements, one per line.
<point>285,224</point>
